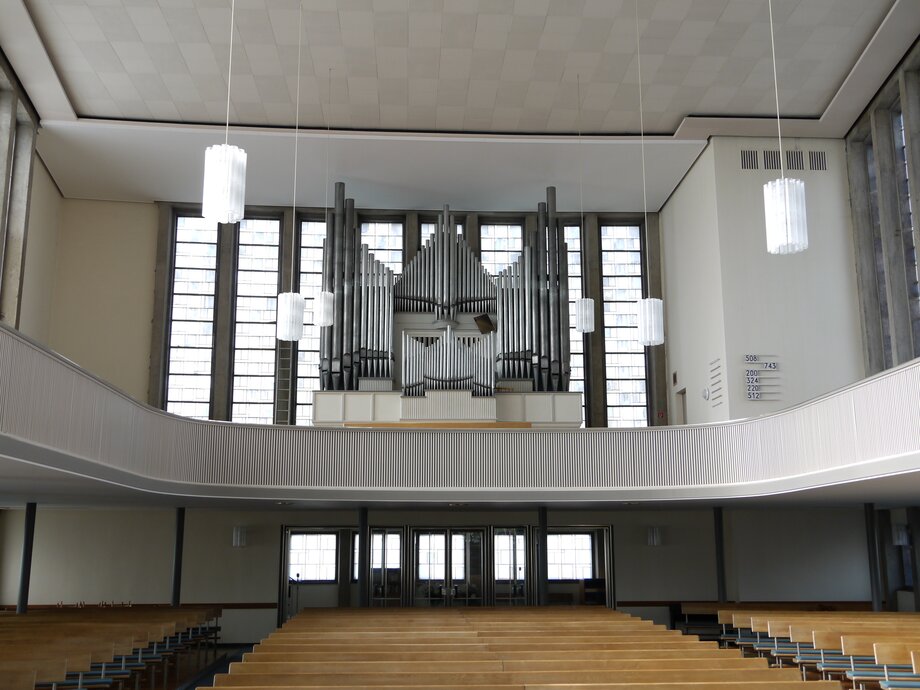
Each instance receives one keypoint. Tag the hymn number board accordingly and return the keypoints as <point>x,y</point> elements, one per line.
<point>762,377</point>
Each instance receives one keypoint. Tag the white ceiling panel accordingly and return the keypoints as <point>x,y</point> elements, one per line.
<point>134,162</point>
<point>531,51</point>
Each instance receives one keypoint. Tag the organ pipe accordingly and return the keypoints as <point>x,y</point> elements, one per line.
<point>348,298</point>
<point>338,286</point>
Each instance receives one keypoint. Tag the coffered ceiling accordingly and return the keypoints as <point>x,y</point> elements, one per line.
<point>452,65</point>
<point>467,102</point>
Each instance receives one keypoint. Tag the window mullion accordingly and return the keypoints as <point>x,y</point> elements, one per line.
<point>224,321</point>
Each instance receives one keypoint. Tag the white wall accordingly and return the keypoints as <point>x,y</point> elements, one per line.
<point>726,297</point>
<point>102,307</point>
<point>692,277</point>
<point>39,276</point>
<point>801,307</point>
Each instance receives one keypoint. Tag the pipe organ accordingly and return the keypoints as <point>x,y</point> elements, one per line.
<point>527,302</point>
<point>359,343</point>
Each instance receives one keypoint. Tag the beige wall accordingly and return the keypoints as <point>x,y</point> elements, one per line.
<point>97,554</point>
<point>103,302</point>
<point>90,555</point>
<point>40,277</point>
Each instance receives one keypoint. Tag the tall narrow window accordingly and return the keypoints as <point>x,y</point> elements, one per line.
<point>427,230</point>
<point>500,245</point>
<point>621,270</point>
<point>254,336</point>
<point>573,245</point>
<point>312,234</point>
<point>907,230</point>
<point>458,544</point>
<point>385,242</point>
<point>191,328</point>
<point>510,557</point>
<point>569,556</point>
<point>431,555</point>
<point>312,557</point>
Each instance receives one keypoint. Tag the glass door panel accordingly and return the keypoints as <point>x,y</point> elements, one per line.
<point>448,576</point>
<point>430,556</point>
<point>510,560</point>
<point>466,568</point>
<point>386,567</point>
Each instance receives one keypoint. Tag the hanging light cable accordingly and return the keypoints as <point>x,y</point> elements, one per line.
<point>289,320</point>
<point>584,306</point>
<point>324,303</point>
<point>650,309</point>
<point>224,193</point>
<point>784,198</point>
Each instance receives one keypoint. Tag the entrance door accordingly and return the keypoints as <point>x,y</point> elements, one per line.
<point>386,567</point>
<point>448,567</point>
<point>510,565</point>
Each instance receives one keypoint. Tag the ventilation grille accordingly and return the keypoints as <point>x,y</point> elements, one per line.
<point>771,159</point>
<point>817,160</point>
<point>795,160</point>
<point>715,382</point>
<point>749,159</point>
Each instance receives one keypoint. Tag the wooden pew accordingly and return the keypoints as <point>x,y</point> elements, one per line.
<point>17,680</point>
<point>716,685</point>
<point>370,680</point>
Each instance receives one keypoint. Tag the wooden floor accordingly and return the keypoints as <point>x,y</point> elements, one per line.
<point>492,649</point>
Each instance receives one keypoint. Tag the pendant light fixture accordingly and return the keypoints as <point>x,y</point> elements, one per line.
<point>324,304</point>
<point>584,306</point>
<point>650,309</point>
<point>289,318</point>
<point>224,193</point>
<point>784,198</point>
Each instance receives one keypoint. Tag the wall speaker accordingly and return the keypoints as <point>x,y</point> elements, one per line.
<point>239,537</point>
<point>653,538</point>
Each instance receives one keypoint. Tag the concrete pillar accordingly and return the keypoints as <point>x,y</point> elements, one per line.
<point>7,139</point>
<point>25,573</point>
<point>719,536</point>
<point>542,563</point>
<point>875,566</point>
<point>864,249</point>
<point>177,556</point>
<point>889,211</point>
<point>17,224</point>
